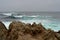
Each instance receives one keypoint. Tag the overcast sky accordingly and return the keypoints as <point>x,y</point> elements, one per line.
<point>29,5</point>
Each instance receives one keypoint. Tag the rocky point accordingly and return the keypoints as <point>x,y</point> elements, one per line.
<point>22,31</point>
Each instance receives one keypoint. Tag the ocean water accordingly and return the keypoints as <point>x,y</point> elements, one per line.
<point>50,20</point>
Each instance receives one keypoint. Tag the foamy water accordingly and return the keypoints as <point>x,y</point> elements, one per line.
<point>49,21</point>
<point>48,24</point>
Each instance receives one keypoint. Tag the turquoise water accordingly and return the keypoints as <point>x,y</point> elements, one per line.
<point>49,22</point>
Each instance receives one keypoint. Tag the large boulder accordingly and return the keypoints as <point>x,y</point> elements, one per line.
<point>3,31</point>
<point>15,29</point>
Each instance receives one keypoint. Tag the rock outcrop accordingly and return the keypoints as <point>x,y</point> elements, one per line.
<point>3,31</point>
<point>22,31</point>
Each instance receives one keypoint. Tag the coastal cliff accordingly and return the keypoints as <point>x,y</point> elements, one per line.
<point>21,31</point>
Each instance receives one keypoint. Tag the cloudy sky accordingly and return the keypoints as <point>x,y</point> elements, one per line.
<point>29,5</point>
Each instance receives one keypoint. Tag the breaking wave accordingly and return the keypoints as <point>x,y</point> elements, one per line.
<point>47,21</point>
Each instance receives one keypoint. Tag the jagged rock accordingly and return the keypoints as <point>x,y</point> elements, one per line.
<point>57,35</point>
<point>19,31</point>
<point>15,29</point>
<point>50,35</point>
<point>58,31</point>
<point>22,31</point>
<point>34,29</point>
<point>3,31</point>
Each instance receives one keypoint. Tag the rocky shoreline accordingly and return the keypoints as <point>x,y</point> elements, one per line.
<point>21,31</point>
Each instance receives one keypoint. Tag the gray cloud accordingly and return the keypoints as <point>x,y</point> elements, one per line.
<point>30,5</point>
